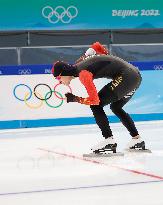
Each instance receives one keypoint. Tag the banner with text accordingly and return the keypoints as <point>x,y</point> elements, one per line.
<point>72,14</point>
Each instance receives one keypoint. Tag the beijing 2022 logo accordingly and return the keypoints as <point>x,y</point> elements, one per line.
<point>59,14</point>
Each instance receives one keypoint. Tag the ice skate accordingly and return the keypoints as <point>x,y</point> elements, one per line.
<point>137,145</point>
<point>105,148</point>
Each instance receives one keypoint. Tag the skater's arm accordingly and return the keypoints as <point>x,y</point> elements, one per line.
<point>89,52</point>
<point>95,48</point>
<point>86,79</point>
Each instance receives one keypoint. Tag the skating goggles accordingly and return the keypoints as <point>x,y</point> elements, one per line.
<point>58,77</point>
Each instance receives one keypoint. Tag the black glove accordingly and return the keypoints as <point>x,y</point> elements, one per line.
<point>71,98</point>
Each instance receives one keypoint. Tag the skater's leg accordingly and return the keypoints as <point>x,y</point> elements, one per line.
<point>106,96</point>
<point>125,118</point>
<point>117,109</point>
<point>102,121</point>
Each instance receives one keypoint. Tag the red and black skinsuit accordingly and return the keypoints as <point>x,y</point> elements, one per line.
<point>125,80</point>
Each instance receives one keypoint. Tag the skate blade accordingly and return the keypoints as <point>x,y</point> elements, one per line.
<point>139,150</point>
<point>104,154</point>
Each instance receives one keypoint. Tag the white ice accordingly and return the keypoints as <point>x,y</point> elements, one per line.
<point>44,166</point>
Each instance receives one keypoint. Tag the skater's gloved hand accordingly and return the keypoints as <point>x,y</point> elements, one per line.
<point>71,98</point>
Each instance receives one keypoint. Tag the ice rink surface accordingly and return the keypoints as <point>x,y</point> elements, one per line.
<point>44,166</point>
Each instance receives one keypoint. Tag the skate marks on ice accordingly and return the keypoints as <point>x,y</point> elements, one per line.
<point>117,154</point>
<point>112,165</point>
<point>138,151</point>
<point>94,155</point>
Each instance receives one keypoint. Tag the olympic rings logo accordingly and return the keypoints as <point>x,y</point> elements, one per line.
<point>158,67</point>
<point>24,71</point>
<point>28,162</point>
<point>59,14</point>
<point>41,97</point>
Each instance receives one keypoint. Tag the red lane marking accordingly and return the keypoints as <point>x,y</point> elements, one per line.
<point>97,162</point>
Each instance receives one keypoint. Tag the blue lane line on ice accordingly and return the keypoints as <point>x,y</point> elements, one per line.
<point>78,188</point>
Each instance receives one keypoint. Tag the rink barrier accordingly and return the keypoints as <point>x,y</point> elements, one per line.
<point>46,69</point>
<point>14,124</point>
